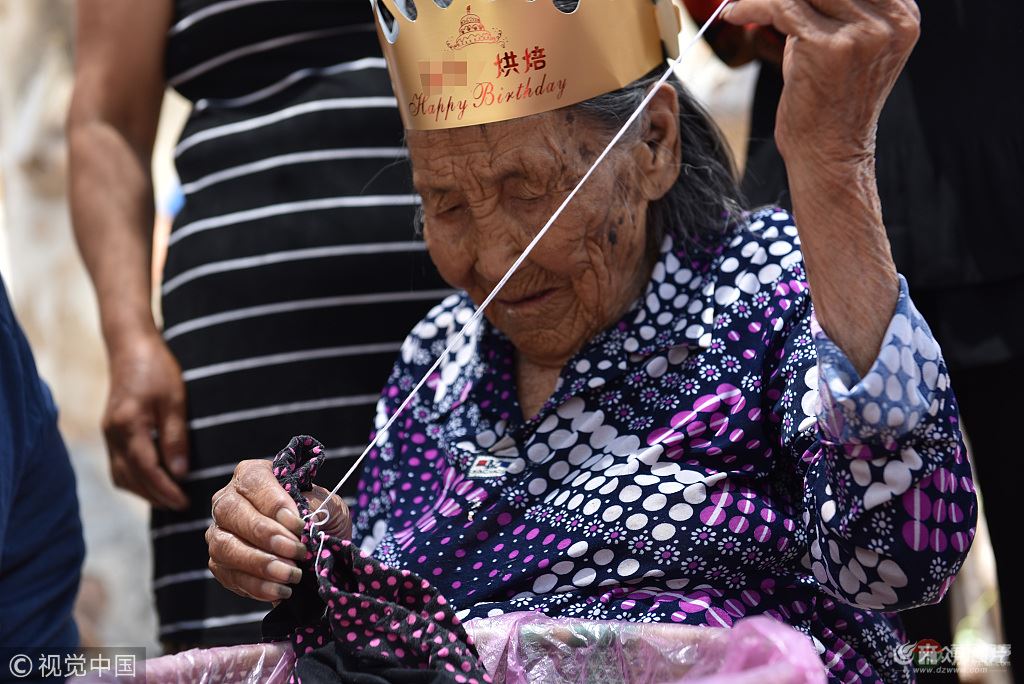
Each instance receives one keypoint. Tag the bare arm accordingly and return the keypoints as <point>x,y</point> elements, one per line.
<point>841,60</point>
<point>119,88</point>
<point>112,122</point>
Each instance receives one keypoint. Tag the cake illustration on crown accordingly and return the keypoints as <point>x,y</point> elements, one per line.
<point>508,59</point>
<point>472,31</point>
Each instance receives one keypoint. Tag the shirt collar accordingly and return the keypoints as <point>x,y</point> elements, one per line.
<point>676,311</point>
<point>678,305</point>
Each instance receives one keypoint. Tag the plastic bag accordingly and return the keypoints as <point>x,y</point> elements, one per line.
<point>270,663</point>
<point>530,648</point>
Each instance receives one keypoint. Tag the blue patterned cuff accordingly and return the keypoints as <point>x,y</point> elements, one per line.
<point>906,383</point>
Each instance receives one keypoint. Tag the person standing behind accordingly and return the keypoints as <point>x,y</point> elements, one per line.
<point>282,307</point>
<point>41,545</point>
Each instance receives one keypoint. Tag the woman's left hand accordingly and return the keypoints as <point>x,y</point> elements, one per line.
<point>841,60</point>
<point>254,540</point>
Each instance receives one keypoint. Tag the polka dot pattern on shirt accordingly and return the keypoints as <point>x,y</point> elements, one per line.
<point>710,456</point>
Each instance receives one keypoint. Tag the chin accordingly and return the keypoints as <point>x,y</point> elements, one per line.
<point>547,347</point>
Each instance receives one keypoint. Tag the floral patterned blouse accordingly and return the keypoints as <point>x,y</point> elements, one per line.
<point>713,455</point>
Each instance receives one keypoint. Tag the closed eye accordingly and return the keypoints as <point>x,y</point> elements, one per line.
<point>443,203</point>
<point>526,192</point>
<point>447,210</point>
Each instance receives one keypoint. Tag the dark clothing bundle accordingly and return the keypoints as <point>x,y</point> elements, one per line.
<point>381,624</point>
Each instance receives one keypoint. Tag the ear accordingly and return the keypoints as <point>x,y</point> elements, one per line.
<point>425,231</point>
<point>658,154</point>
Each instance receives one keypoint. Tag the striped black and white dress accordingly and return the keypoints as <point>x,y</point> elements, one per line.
<point>293,271</point>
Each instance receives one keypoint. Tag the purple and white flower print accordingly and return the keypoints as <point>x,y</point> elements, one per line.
<point>713,455</point>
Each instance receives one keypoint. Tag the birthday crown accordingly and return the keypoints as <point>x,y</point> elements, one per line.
<point>505,59</point>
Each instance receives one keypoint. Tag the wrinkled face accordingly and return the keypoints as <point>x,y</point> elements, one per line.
<point>487,191</point>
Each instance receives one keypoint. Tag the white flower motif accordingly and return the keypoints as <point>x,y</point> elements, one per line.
<point>883,524</point>
<point>667,554</point>
<point>694,565</point>
<point>709,373</point>
<point>751,382</point>
<point>516,497</point>
<point>938,569</point>
<point>703,536</point>
<point>576,609</point>
<point>736,580</point>
<point>728,545</point>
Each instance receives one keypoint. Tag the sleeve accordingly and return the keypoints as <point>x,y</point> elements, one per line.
<point>6,493</point>
<point>15,424</point>
<point>889,506</point>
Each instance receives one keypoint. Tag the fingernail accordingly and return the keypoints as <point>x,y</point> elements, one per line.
<point>290,520</point>
<point>284,572</point>
<point>286,547</point>
<point>274,589</point>
<point>179,466</point>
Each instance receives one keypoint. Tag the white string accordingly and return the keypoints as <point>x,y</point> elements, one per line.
<point>313,530</point>
<point>529,248</point>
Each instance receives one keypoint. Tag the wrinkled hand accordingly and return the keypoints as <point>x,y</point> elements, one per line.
<point>254,539</point>
<point>840,62</point>
<point>147,397</point>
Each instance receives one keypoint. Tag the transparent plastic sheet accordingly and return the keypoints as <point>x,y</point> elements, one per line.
<point>529,648</point>
<point>270,663</point>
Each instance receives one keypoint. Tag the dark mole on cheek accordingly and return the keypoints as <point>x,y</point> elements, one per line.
<point>613,233</point>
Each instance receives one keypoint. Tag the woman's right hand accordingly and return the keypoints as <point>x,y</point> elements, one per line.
<point>254,538</point>
<point>144,423</point>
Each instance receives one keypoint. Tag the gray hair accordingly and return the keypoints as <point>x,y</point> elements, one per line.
<point>706,197</point>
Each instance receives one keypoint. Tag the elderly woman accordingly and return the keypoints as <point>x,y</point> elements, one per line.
<point>675,410</point>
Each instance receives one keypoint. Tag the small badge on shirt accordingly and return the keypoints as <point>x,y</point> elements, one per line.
<point>489,466</point>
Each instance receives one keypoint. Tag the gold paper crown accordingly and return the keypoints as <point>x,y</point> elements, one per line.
<point>505,59</point>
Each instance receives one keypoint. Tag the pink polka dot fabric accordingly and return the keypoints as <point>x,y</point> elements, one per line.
<point>385,618</point>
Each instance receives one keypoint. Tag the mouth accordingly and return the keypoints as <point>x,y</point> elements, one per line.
<point>523,302</point>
